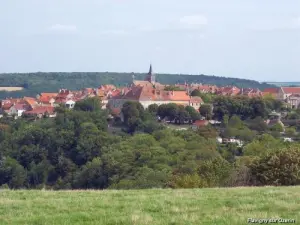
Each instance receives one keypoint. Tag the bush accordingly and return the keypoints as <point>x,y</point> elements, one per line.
<point>215,172</point>
<point>281,167</point>
<point>187,181</point>
<point>4,186</point>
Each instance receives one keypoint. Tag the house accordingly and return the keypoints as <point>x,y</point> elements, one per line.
<point>204,88</point>
<point>70,104</point>
<point>273,92</point>
<point>6,104</point>
<point>63,96</point>
<point>31,102</point>
<point>219,140</point>
<point>47,99</point>
<point>228,91</point>
<point>196,102</point>
<point>251,92</point>
<point>40,111</point>
<point>274,118</point>
<point>18,109</point>
<point>199,123</point>
<point>285,92</point>
<point>293,101</point>
<point>233,141</point>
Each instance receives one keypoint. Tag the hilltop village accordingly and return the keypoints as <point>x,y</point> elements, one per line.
<point>147,92</point>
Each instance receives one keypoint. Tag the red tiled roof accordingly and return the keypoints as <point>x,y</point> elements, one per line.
<point>45,99</point>
<point>178,96</point>
<point>30,101</point>
<point>291,90</point>
<point>229,90</point>
<point>200,123</point>
<point>41,110</point>
<point>196,99</point>
<point>19,106</point>
<point>107,87</point>
<point>271,90</point>
<point>143,93</point>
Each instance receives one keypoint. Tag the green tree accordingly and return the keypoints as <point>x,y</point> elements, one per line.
<point>194,114</point>
<point>206,111</point>
<point>215,172</point>
<point>89,104</point>
<point>133,113</point>
<point>12,173</point>
<point>91,175</point>
<point>153,109</point>
<point>235,122</point>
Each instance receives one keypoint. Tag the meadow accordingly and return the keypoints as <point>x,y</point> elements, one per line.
<point>11,89</point>
<point>231,206</point>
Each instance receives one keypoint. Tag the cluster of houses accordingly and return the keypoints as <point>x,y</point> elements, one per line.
<point>289,95</point>
<point>146,92</point>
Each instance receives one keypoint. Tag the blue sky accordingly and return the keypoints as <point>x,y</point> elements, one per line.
<point>252,39</point>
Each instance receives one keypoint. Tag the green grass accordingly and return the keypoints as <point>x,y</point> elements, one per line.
<point>195,206</point>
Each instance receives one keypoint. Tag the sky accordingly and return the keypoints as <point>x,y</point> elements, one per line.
<point>251,39</point>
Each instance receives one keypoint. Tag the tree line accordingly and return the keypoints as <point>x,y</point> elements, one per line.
<point>35,83</point>
<point>77,150</point>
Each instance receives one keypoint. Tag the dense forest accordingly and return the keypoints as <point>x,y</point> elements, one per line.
<point>79,150</point>
<point>35,83</point>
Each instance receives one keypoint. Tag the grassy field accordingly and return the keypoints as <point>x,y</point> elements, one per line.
<point>195,206</point>
<point>11,88</point>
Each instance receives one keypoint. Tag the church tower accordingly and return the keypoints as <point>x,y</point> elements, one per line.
<point>150,76</point>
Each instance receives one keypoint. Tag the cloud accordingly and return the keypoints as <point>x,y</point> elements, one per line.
<point>63,28</point>
<point>193,21</point>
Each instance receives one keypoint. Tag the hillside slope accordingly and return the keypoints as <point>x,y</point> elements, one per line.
<point>35,83</point>
<point>195,206</point>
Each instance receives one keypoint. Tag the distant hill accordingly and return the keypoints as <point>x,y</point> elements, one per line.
<point>34,83</point>
<point>285,84</point>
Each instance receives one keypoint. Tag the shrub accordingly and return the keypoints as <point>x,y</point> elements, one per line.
<point>281,167</point>
<point>215,172</point>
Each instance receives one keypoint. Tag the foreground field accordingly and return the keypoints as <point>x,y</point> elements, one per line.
<point>11,88</point>
<point>197,206</point>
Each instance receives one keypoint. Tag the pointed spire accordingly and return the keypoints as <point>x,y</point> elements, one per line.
<point>150,76</point>
<point>150,69</point>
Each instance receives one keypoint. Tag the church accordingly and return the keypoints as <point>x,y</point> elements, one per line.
<point>149,92</point>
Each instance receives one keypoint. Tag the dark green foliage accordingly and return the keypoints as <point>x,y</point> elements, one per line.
<point>241,106</point>
<point>12,173</point>
<point>153,108</point>
<point>89,105</point>
<point>257,124</point>
<point>206,111</point>
<point>77,150</point>
<point>193,113</point>
<point>179,114</point>
<point>91,176</point>
<point>215,172</point>
<point>278,168</point>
